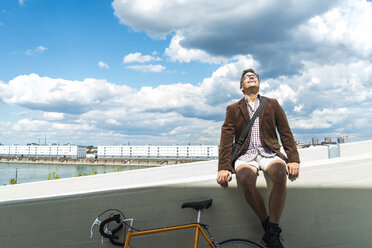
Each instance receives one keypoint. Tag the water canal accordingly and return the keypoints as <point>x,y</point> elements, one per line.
<point>26,173</point>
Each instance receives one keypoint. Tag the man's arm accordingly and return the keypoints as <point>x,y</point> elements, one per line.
<point>288,142</point>
<point>226,143</point>
<point>286,135</point>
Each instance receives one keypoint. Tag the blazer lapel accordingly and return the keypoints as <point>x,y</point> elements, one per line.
<point>244,110</point>
<point>261,114</point>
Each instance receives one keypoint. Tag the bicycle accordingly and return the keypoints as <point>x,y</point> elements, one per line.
<point>199,229</point>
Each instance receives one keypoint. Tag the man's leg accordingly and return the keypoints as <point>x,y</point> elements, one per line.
<point>277,171</point>
<point>248,177</point>
<point>278,174</point>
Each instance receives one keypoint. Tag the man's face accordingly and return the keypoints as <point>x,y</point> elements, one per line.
<point>250,83</point>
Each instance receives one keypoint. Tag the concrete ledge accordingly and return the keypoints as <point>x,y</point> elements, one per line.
<point>330,201</point>
<point>354,148</point>
<point>313,153</point>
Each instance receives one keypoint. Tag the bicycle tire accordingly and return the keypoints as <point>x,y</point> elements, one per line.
<point>238,243</point>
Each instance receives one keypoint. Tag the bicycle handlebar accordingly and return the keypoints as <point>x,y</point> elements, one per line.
<point>111,234</point>
<point>112,241</point>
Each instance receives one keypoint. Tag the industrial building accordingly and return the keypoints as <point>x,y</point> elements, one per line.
<point>157,151</point>
<point>64,151</point>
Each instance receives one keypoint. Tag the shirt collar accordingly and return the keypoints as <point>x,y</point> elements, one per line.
<point>247,100</point>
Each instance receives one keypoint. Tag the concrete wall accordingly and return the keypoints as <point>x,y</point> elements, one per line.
<point>328,206</point>
<point>355,148</point>
<point>313,153</point>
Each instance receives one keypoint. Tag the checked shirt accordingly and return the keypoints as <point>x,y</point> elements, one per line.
<point>255,144</point>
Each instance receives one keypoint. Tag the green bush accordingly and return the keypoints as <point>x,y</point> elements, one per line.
<point>53,176</point>
<point>94,172</point>
<point>13,180</point>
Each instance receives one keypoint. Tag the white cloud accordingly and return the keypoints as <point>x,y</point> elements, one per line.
<point>147,68</point>
<point>113,122</point>
<point>43,126</point>
<point>282,93</point>
<point>280,35</point>
<point>327,98</point>
<point>103,65</point>
<point>298,108</point>
<point>213,31</point>
<point>53,116</point>
<point>336,122</point>
<point>139,58</point>
<point>137,15</point>
<point>22,113</point>
<point>159,114</point>
<point>178,53</point>
<point>347,24</point>
<point>205,100</point>
<point>39,49</point>
<point>31,125</point>
<point>21,2</point>
<point>145,127</point>
<point>59,95</point>
<point>324,118</point>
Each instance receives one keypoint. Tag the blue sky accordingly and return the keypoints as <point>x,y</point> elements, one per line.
<point>162,72</point>
<point>77,35</point>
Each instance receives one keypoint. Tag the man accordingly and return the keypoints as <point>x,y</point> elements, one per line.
<point>260,151</point>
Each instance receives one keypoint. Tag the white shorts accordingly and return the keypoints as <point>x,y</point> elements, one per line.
<point>259,162</point>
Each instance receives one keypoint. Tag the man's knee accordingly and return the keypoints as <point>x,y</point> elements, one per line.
<point>248,176</point>
<point>278,173</point>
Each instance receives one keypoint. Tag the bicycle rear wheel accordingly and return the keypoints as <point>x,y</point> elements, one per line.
<point>238,243</point>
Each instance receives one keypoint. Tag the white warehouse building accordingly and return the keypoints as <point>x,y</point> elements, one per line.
<point>157,151</point>
<point>67,151</point>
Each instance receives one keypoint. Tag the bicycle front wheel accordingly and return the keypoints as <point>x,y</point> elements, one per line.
<point>238,243</point>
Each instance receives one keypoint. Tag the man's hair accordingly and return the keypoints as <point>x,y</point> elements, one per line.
<point>245,72</point>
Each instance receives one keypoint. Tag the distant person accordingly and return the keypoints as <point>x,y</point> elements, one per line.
<point>259,151</point>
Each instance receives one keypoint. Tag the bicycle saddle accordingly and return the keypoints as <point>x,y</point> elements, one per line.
<point>198,205</point>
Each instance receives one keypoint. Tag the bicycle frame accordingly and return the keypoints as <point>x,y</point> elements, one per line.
<point>131,231</point>
<point>198,229</point>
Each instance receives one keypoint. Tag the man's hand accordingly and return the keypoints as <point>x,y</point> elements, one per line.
<point>293,170</point>
<point>224,177</point>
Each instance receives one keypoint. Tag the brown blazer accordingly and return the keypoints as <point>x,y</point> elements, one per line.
<point>272,118</point>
